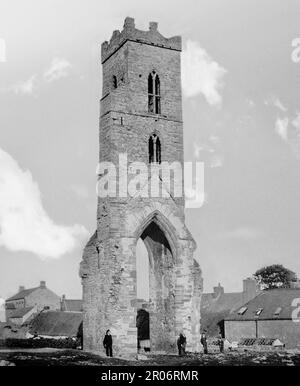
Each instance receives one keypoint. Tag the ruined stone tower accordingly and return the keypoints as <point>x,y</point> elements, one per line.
<point>141,116</point>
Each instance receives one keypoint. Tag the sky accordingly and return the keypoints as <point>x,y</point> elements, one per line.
<point>241,118</point>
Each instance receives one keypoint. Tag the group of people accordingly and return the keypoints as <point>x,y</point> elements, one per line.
<point>181,343</point>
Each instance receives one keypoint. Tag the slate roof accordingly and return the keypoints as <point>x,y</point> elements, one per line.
<point>73,305</point>
<point>269,301</point>
<point>20,312</point>
<point>22,294</point>
<point>222,302</point>
<point>56,323</point>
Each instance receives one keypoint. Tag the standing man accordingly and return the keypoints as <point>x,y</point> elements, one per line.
<point>203,341</point>
<point>181,343</point>
<point>107,343</point>
<point>221,343</point>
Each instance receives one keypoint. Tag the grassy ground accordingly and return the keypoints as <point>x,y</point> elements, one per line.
<point>79,358</point>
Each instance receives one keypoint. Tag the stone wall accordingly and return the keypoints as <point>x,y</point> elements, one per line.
<point>108,269</point>
<point>287,331</point>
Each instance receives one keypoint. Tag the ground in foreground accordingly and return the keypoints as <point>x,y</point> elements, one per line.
<point>80,358</point>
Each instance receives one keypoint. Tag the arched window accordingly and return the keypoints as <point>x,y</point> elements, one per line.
<point>154,149</point>
<point>115,82</point>
<point>154,93</point>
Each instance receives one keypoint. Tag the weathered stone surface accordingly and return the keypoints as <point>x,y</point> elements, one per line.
<point>108,268</point>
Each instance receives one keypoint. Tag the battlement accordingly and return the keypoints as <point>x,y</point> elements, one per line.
<point>129,32</point>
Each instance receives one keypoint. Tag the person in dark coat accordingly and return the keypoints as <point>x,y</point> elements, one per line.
<point>107,343</point>
<point>181,343</point>
<point>203,341</point>
<point>221,343</point>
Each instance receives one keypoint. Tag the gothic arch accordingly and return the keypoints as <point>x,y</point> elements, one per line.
<point>161,221</point>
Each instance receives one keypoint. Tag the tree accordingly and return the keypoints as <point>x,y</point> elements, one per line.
<point>274,276</point>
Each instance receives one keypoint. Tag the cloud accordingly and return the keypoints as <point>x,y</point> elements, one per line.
<point>81,191</point>
<point>276,102</point>
<point>296,123</point>
<point>242,233</point>
<point>24,223</point>
<point>201,74</point>
<point>59,68</point>
<point>25,88</point>
<point>289,132</point>
<point>2,51</point>
<point>281,128</point>
<point>209,152</point>
<point>202,148</point>
<point>216,161</point>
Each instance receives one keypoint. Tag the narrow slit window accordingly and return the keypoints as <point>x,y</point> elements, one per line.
<point>154,149</point>
<point>154,93</point>
<point>115,82</point>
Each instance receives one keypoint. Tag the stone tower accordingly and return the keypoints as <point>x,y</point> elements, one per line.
<point>141,116</point>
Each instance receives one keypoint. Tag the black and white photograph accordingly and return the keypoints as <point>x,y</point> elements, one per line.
<point>149,187</point>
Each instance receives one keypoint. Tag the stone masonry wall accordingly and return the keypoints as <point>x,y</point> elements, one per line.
<point>108,268</point>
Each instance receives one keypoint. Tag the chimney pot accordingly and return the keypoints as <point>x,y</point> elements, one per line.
<point>42,284</point>
<point>21,288</point>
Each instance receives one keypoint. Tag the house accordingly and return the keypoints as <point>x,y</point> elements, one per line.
<point>56,324</point>
<point>71,305</point>
<point>27,302</point>
<point>271,314</point>
<point>217,305</point>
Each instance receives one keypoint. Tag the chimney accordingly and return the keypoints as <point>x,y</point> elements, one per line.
<point>21,288</point>
<point>218,291</point>
<point>42,284</point>
<point>62,303</point>
<point>250,289</point>
<point>153,26</point>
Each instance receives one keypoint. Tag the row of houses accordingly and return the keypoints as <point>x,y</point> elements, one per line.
<point>250,315</point>
<point>253,315</point>
<point>40,312</point>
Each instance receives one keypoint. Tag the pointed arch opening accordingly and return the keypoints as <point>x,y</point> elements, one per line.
<point>154,148</point>
<point>156,274</point>
<point>154,105</point>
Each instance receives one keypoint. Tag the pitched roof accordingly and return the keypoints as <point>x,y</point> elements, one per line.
<point>22,294</point>
<point>56,323</point>
<point>73,305</point>
<point>223,302</point>
<point>268,305</point>
<point>20,312</point>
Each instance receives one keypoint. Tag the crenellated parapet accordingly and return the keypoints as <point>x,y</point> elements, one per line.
<point>129,32</point>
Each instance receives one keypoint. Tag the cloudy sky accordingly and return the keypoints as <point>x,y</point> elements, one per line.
<point>241,118</point>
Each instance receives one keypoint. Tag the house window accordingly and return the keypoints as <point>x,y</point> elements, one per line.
<point>154,149</point>
<point>154,93</point>
<point>277,311</point>
<point>242,310</point>
<point>258,311</point>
